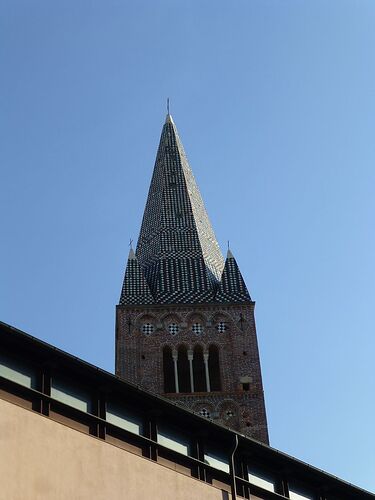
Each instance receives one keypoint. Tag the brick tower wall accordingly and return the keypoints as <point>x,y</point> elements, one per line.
<point>139,358</point>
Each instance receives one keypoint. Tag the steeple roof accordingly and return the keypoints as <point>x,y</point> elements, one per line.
<point>177,248</point>
<point>178,259</point>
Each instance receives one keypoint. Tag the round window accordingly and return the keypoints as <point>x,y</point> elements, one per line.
<point>221,326</point>
<point>204,413</point>
<point>197,328</point>
<point>147,328</point>
<point>173,328</point>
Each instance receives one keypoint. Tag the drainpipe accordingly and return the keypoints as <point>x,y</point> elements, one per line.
<point>233,487</point>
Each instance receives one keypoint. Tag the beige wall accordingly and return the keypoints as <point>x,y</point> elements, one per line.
<point>42,459</point>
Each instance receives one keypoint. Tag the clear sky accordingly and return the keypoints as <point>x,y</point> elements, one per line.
<point>275,104</point>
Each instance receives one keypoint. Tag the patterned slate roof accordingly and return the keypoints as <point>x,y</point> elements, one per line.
<point>178,259</point>
<point>135,289</point>
<point>232,286</point>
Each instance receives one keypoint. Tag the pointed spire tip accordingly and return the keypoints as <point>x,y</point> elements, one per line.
<point>169,119</point>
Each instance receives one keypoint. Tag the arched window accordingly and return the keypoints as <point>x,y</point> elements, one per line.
<point>168,370</point>
<point>214,368</point>
<point>198,370</point>
<point>183,370</point>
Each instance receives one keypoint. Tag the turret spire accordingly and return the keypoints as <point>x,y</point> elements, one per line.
<point>135,289</point>
<point>232,287</point>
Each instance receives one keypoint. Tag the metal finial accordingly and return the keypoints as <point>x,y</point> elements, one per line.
<point>168,105</point>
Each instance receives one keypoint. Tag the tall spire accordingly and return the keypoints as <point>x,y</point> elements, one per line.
<point>178,259</point>
<point>177,249</point>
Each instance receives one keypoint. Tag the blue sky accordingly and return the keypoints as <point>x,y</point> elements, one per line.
<point>275,104</point>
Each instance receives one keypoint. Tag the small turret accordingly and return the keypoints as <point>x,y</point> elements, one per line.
<point>135,289</point>
<point>232,285</point>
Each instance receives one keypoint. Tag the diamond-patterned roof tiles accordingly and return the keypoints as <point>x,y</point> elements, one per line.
<point>178,259</point>
<point>135,289</point>
<point>232,286</point>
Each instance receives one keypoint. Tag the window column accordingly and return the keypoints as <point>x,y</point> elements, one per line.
<point>190,358</point>
<point>205,358</point>
<point>175,356</point>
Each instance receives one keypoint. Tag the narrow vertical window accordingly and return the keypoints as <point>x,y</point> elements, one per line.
<point>214,368</point>
<point>183,370</point>
<point>198,370</point>
<point>168,370</point>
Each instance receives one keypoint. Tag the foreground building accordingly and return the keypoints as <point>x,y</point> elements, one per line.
<point>185,324</point>
<point>72,431</point>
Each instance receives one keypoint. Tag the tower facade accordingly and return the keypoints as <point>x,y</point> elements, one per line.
<point>185,325</point>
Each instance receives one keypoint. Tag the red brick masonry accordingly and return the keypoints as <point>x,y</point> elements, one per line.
<point>139,358</point>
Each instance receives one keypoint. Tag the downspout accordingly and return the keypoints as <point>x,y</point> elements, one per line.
<point>232,470</point>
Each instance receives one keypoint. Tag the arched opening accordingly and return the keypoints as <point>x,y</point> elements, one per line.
<point>168,370</point>
<point>183,370</point>
<point>198,370</point>
<point>214,368</point>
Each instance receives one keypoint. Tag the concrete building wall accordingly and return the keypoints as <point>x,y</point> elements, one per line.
<point>44,460</point>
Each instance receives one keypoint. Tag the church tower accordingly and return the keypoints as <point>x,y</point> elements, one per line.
<point>185,325</point>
